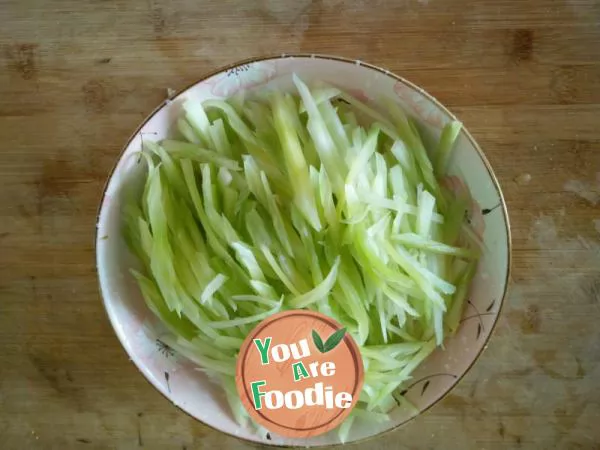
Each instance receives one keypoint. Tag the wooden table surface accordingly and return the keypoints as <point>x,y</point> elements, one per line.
<point>76,78</point>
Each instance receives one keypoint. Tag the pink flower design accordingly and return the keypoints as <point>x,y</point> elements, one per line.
<point>242,77</point>
<point>474,215</point>
<point>422,106</point>
<point>359,95</point>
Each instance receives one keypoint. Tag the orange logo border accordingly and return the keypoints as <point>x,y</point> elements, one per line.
<point>246,396</point>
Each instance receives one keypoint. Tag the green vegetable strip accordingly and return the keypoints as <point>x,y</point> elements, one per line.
<point>296,166</point>
<point>459,297</point>
<point>212,287</point>
<point>442,154</point>
<point>187,131</point>
<point>188,150</point>
<point>280,273</point>
<point>324,143</point>
<point>322,95</point>
<point>334,125</point>
<point>415,241</point>
<point>180,325</point>
<point>319,292</point>
<point>344,429</point>
<point>219,137</point>
<point>198,120</point>
<point>244,320</point>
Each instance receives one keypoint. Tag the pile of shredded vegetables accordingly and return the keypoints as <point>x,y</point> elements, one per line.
<point>314,200</point>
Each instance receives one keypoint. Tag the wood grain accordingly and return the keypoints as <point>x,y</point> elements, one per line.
<point>76,77</point>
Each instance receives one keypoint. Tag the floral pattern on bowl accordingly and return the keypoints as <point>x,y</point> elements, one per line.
<point>422,106</point>
<point>240,78</point>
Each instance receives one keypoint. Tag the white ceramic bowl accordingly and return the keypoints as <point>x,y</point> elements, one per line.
<point>188,388</point>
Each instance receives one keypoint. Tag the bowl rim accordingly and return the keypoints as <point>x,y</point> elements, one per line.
<point>346,60</point>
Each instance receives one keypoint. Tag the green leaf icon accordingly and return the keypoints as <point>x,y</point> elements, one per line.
<point>318,341</point>
<point>331,342</point>
<point>334,340</point>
